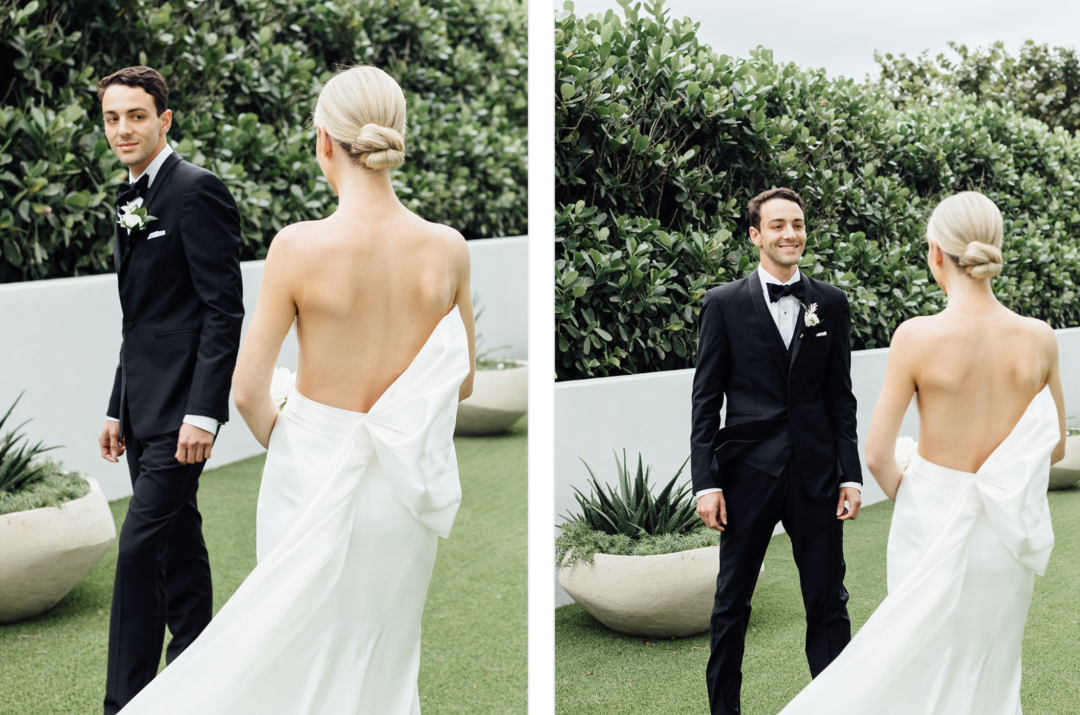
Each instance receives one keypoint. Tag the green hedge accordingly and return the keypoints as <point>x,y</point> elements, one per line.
<point>243,77</point>
<point>661,141</point>
<point>1041,82</point>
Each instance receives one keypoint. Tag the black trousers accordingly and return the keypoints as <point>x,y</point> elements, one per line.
<point>162,571</point>
<point>756,501</point>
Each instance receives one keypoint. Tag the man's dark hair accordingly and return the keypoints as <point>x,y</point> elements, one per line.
<point>754,207</point>
<point>146,77</point>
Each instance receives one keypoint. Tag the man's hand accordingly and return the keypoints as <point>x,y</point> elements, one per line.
<point>194,444</point>
<point>112,445</point>
<point>709,507</point>
<point>853,497</point>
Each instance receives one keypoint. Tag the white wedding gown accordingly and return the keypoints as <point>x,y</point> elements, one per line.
<point>962,557</point>
<point>349,512</point>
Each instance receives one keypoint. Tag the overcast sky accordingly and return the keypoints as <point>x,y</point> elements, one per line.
<point>841,35</point>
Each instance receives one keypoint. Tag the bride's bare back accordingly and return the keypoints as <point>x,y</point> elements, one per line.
<point>366,289</point>
<point>974,376</point>
<point>974,369</point>
<point>368,297</point>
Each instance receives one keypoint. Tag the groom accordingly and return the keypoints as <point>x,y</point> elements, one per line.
<point>776,345</point>
<point>180,292</point>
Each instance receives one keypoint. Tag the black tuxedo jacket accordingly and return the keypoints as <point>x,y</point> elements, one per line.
<point>803,394</point>
<point>182,298</point>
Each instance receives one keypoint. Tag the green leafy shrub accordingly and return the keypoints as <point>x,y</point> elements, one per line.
<point>55,486</point>
<point>631,520</point>
<point>1040,82</point>
<point>577,542</point>
<point>660,142</point>
<point>18,469</point>
<point>633,510</point>
<point>243,77</point>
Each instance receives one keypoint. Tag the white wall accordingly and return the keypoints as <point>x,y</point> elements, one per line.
<point>651,414</point>
<point>60,342</point>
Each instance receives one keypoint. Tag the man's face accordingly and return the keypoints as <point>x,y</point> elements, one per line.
<point>132,124</point>
<point>782,236</point>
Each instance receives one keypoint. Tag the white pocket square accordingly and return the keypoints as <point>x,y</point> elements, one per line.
<point>822,334</point>
<point>155,234</point>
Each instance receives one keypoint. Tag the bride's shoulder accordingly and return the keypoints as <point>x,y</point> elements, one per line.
<point>1041,331</point>
<point>449,237</point>
<point>916,331</point>
<point>285,241</point>
<point>290,245</point>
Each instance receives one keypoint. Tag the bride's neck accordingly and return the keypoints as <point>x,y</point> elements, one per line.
<point>367,193</point>
<point>970,294</point>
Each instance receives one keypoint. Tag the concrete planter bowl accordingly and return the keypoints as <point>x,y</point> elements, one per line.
<point>47,551</point>
<point>647,596</point>
<point>1067,472</point>
<point>499,399</point>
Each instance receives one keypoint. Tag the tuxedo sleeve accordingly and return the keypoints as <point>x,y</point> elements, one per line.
<point>118,381</point>
<point>840,403</point>
<point>710,382</point>
<point>210,227</point>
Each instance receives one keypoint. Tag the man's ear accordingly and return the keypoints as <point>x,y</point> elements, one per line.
<point>166,120</point>
<point>755,235</point>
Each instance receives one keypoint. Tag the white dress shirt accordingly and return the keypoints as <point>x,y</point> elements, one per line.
<point>209,424</point>
<point>785,313</point>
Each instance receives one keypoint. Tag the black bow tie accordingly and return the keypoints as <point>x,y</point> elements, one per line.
<point>797,289</point>
<point>130,192</point>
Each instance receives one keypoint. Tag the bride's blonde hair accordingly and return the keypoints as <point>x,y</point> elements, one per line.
<point>363,109</point>
<point>967,226</point>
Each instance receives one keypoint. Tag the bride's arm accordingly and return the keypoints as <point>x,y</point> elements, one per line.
<point>1053,379</point>
<point>274,314</point>
<point>460,274</point>
<point>892,403</point>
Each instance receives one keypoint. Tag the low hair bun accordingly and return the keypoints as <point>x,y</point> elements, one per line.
<point>968,228</point>
<point>379,147</point>
<point>981,260</point>
<point>363,109</point>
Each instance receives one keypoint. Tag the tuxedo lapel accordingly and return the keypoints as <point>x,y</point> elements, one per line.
<point>800,322</point>
<point>118,238</point>
<point>128,241</point>
<point>170,163</point>
<point>768,326</point>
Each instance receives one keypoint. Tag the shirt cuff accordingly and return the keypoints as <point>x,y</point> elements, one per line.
<point>703,492</point>
<point>110,418</point>
<point>854,485</point>
<point>207,424</point>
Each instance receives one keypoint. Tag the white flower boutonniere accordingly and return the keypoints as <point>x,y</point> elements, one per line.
<point>132,216</point>
<point>906,449</point>
<point>282,385</point>
<point>810,319</point>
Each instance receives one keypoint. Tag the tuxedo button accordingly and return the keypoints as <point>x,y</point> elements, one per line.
<point>129,325</point>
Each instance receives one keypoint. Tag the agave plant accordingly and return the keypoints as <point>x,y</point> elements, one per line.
<point>17,468</point>
<point>633,510</point>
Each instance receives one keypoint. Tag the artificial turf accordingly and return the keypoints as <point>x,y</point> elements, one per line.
<point>474,657</point>
<point>598,671</point>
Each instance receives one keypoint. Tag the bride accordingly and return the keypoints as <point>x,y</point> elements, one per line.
<point>971,526</point>
<point>360,477</point>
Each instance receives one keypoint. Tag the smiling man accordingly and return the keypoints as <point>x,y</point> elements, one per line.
<point>176,251</point>
<point>776,346</point>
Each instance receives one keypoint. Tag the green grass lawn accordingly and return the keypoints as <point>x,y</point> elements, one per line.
<point>474,644</point>
<point>598,671</point>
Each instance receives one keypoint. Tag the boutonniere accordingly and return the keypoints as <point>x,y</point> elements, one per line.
<point>132,216</point>
<point>810,318</point>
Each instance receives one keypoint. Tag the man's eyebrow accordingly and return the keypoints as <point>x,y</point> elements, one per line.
<point>128,111</point>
